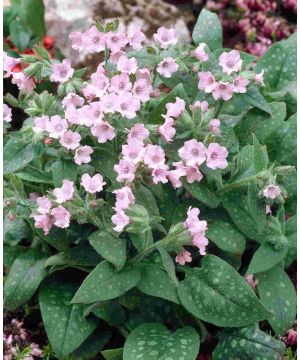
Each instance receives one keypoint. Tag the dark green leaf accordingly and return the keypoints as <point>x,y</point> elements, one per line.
<point>63,169</point>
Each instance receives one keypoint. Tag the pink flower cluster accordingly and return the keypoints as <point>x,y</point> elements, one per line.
<point>272,191</point>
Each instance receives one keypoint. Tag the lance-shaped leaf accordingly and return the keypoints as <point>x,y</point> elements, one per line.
<point>277,293</point>
<point>64,323</point>
<point>104,283</point>
<point>113,354</point>
<point>202,192</point>
<point>63,169</point>
<point>248,343</point>
<point>291,235</point>
<point>218,294</point>
<point>154,341</point>
<point>91,347</point>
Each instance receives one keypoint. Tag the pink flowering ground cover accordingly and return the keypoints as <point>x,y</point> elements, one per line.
<point>144,224</point>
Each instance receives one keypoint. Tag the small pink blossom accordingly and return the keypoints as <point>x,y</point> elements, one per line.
<point>82,155</point>
<point>160,175</point>
<point>193,152</point>
<point>65,192</point>
<point>128,66</point>
<point>23,82</point>
<point>240,84</point>
<point>216,156</point>
<point>250,280</point>
<point>120,219</point>
<point>103,131</point>
<point>115,41</point>
<point>167,67</point>
<point>92,184</point>
<point>44,222</point>
<point>201,242</point>
<point>259,78</point>
<point>192,216</point>
<point>61,216</point>
<point>56,126</point>
<point>167,131</point>
<point>44,205</point>
<point>93,40</point>
<point>292,337</point>
<point>143,74</point>
<point>223,90</point>
<point>9,63</point>
<point>154,156</point>
<point>124,198</point>
<point>230,62</point>
<point>7,114</point>
<point>114,57</point>
<point>91,114</point>
<point>214,126</point>
<point>199,53</point>
<point>101,83</point>
<point>165,37</point>
<point>127,105</point>
<point>125,170</point>
<point>192,173</point>
<point>70,140</point>
<point>207,81</point>
<point>72,99</point>
<point>138,132</point>
<point>271,191</point>
<point>142,90</point>
<point>89,91</point>
<point>76,40</point>
<point>73,115</point>
<point>136,37</point>
<point>108,103</point>
<point>202,105</point>
<point>174,177</point>
<point>175,109</point>
<point>61,72</point>
<point>268,209</point>
<point>133,151</point>
<point>183,257</point>
<point>120,83</point>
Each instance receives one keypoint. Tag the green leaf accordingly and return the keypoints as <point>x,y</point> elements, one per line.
<point>10,253</point>
<point>291,235</point>
<point>113,354</point>
<point>91,347</point>
<point>144,197</point>
<point>226,236</point>
<point>155,341</point>
<point>201,192</point>
<point>111,248</point>
<point>24,278</point>
<point>65,326</point>
<point>216,293</point>
<point>35,175</point>
<point>109,311</point>
<point>208,30</point>
<point>260,156</point>
<point>15,231</point>
<point>63,169</point>
<point>104,161</point>
<point>155,282</point>
<point>19,35</point>
<point>104,283</point>
<point>254,98</point>
<point>248,343</point>
<point>168,265</point>
<point>277,293</point>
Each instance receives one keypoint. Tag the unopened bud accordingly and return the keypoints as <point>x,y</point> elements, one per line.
<point>155,94</point>
<point>48,141</point>
<point>11,217</point>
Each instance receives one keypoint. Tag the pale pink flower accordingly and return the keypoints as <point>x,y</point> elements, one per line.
<point>61,216</point>
<point>230,62</point>
<point>128,66</point>
<point>101,83</point>
<point>73,115</point>
<point>127,105</point>
<point>91,114</point>
<point>201,242</point>
<point>174,177</point>
<point>72,99</point>
<point>206,82</point>
<point>82,155</point>
<point>108,103</point>
<point>175,109</point>
<point>89,91</point>
<point>70,140</point>
<point>33,196</point>
<point>160,175</point>
<point>199,53</point>
<point>167,67</point>
<point>124,198</point>
<point>93,40</point>
<point>143,74</point>
<point>268,209</point>
<point>23,82</point>
<point>92,184</point>
<point>259,78</point>
<point>136,37</point>
<point>44,205</point>
<point>7,114</point>
<point>292,337</point>
<point>154,156</point>
<point>192,217</point>
<point>223,90</point>
<point>103,131</point>
<point>9,63</point>
<point>120,83</point>
<point>183,257</point>
<point>115,41</point>
<point>271,191</point>
<point>250,280</point>
<point>76,40</point>
<point>165,37</point>
<point>125,170</point>
<point>65,192</point>
<point>202,105</point>
<point>240,84</point>
<point>167,131</point>
<point>56,126</point>
<point>61,72</point>
<point>216,156</point>
<point>142,90</point>
<point>133,151</point>
<point>193,152</point>
<point>114,57</point>
<point>44,222</point>
<point>214,126</point>
<point>120,219</point>
<point>192,173</point>
<point>138,132</point>
<point>197,227</point>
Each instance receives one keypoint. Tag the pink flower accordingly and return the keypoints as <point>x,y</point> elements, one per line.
<point>268,209</point>
<point>44,222</point>
<point>154,156</point>
<point>216,156</point>
<point>199,53</point>
<point>166,130</point>
<point>125,170</point>
<point>128,66</point>
<point>196,229</point>
<point>89,91</point>
<point>92,184</point>
<point>239,85</point>
<point>73,115</point>
<point>120,83</point>
<point>120,219</point>
<point>108,103</point>
<point>127,105</point>
<point>7,115</point>
<point>230,62</point>
<point>82,155</point>
<point>76,40</point>
<point>93,40</point>
<point>250,280</point>
<point>70,140</point>
<point>101,83</point>
<point>193,152</point>
<point>138,132</point>
<point>167,67</point>
<point>142,90</point>
<point>44,205</point>
<point>72,99</point>
<point>133,151</point>
<point>56,126</point>
<point>207,81</point>
<point>124,198</point>
<point>9,63</point>
<point>192,216</point>
<point>192,173</point>
<point>202,105</point>
<point>223,90</point>
<point>292,337</point>
<point>115,41</point>
<point>136,37</point>
<point>175,109</point>
<point>215,126</point>
<point>183,257</point>
<point>160,175</point>
<point>259,78</point>
<point>103,131</point>
<point>91,114</point>
<point>61,216</point>
<point>174,177</point>
<point>65,192</point>
<point>61,72</point>
<point>114,57</point>
<point>143,74</point>
<point>23,82</point>
<point>165,37</point>
<point>272,191</point>
<point>201,242</point>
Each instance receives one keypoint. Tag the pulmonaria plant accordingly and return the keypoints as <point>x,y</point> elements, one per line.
<point>163,158</point>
